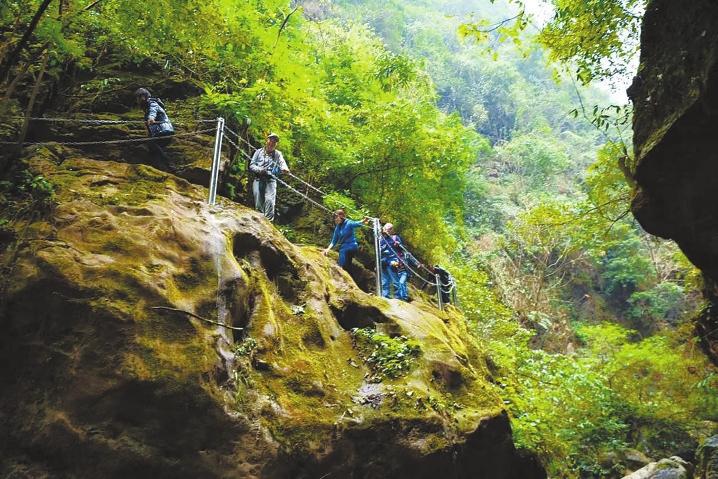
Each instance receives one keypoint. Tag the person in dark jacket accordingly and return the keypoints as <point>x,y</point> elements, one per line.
<point>447,284</point>
<point>157,122</point>
<point>398,260</point>
<point>389,262</point>
<point>343,238</point>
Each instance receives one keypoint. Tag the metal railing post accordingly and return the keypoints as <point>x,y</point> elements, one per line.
<point>216,158</point>
<point>438,292</point>
<point>377,254</point>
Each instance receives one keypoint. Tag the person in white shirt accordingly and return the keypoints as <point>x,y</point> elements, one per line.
<point>267,164</point>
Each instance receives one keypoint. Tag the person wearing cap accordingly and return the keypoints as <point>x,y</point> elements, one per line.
<point>343,238</point>
<point>267,164</point>
<point>395,261</point>
<point>157,122</point>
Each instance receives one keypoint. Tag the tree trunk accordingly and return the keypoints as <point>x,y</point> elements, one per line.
<point>13,84</point>
<point>5,166</point>
<point>33,98</point>
<point>4,48</point>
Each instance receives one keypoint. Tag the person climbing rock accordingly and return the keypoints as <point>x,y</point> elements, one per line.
<point>389,262</point>
<point>447,284</point>
<point>267,164</point>
<point>397,261</point>
<point>158,124</point>
<point>343,238</point>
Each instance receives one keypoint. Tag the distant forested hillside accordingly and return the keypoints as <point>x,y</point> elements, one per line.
<point>546,216</point>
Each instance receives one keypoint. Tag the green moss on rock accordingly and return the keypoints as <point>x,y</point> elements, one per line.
<point>127,238</point>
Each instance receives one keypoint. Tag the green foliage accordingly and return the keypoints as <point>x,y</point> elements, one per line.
<point>659,377</point>
<point>607,188</point>
<point>563,409</point>
<point>387,357</point>
<point>624,267</point>
<point>36,192</point>
<point>571,408</point>
<point>536,156</point>
<point>665,301</point>
<point>335,200</point>
<point>599,37</point>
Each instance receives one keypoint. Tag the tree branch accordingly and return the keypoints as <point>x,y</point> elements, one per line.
<point>5,69</point>
<point>175,310</point>
<point>284,24</point>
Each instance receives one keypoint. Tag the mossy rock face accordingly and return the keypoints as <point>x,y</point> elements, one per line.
<point>675,100</point>
<point>95,382</point>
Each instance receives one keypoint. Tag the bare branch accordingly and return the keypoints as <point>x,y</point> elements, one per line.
<point>175,310</point>
<point>284,24</point>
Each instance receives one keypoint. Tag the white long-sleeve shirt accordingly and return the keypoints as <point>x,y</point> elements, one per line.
<point>266,162</point>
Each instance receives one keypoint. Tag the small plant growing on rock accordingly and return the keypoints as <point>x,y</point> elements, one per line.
<point>387,357</point>
<point>28,192</point>
<point>245,347</point>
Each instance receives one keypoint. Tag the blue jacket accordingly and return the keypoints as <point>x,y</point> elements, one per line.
<point>344,235</point>
<point>156,112</point>
<point>391,248</point>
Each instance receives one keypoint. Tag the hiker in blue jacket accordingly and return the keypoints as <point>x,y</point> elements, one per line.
<point>398,260</point>
<point>389,262</point>
<point>157,122</point>
<point>344,238</point>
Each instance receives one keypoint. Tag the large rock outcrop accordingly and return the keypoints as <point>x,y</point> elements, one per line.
<point>675,98</point>
<point>97,382</point>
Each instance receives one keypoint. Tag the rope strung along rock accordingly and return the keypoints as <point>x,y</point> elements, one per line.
<point>307,184</point>
<point>292,175</point>
<point>231,143</point>
<point>420,264</point>
<point>82,120</point>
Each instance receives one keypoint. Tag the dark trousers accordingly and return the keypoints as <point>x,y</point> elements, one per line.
<point>345,258</point>
<point>157,149</point>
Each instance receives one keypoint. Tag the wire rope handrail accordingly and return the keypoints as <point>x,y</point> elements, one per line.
<point>431,283</point>
<point>97,120</point>
<point>440,285</point>
<point>304,182</point>
<point>319,205</point>
<point>106,142</point>
<point>239,137</point>
<point>232,143</point>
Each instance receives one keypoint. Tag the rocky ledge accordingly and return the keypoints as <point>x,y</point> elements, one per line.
<point>111,365</point>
